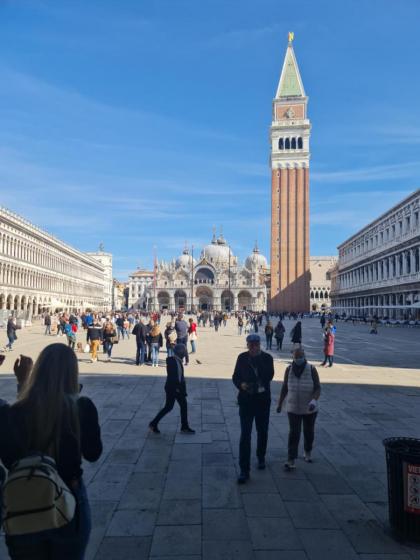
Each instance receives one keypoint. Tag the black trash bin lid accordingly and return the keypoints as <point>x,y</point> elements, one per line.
<point>403,445</point>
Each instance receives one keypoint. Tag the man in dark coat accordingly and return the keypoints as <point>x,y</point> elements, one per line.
<point>140,332</point>
<point>253,374</point>
<point>176,390</point>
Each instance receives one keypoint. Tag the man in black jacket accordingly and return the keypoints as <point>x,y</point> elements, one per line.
<point>140,332</point>
<point>253,374</point>
<point>176,390</point>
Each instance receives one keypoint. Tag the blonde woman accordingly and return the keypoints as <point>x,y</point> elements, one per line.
<point>51,418</point>
<point>156,341</point>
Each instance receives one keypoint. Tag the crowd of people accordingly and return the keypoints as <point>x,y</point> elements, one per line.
<point>51,427</point>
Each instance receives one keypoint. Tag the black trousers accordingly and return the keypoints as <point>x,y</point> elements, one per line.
<point>295,428</point>
<point>279,340</point>
<point>169,404</point>
<point>184,340</point>
<point>258,408</point>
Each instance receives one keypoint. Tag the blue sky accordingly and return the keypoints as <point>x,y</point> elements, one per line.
<point>142,123</point>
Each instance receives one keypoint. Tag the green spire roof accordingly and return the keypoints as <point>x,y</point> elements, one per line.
<point>290,84</point>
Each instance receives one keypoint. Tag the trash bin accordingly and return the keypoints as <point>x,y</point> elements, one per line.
<point>403,467</point>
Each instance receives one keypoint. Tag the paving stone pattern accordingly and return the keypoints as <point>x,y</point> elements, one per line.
<point>174,496</point>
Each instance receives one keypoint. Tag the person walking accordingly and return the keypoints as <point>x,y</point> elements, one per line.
<point>47,324</point>
<point>176,390</point>
<point>302,388</point>
<point>279,334</point>
<point>322,321</point>
<point>70,334</point>
<point>109,337</point>
<point>192,334</point>
<point>94,338</point>
<point>140,332</point>
<point>52,419</point>
<point>252,376</point>
<point>156,342</point>
<point>240,325</point>
<point>11,332</point>
<point>329,339</point>
<point>296,335</point>
<point>269,331</point>
<point>181,329</point>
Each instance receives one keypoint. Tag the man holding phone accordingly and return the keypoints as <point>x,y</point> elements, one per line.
<point>253,374</point>
<point>302,388</point>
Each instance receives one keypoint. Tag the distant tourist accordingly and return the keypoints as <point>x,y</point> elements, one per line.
<point>175,389</point>
<point>109,337</point>
<point>329,339</point>
<point>140,332</point>
<point>170,338</point>
<point>302,388</point>
<point>192,334</point>
<point>156,342</point>
<point>296,335</point>
<point>240,325</point>
<point>11,332</point>
<point>50,418</point>
<point>269,331</point>
<point>253,374</point>
<point>279,334</point>
<point>181,328</point>
<point>47,323</point>
<point>94,338</point>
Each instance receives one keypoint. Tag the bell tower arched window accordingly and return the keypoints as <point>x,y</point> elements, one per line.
<point>281,144</point>
<point>293,143</point>
<point>287,144</point>
<point>300,143</point>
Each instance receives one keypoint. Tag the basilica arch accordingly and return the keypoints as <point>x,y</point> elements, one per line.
<point>226,300</point>
<point>244,300</point>
<point>204,275</point>
<point>180,299</point>
<point>164,300</point>
<point>205,298</point>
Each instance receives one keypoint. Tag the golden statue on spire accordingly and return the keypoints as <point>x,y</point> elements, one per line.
<point>291,36</point>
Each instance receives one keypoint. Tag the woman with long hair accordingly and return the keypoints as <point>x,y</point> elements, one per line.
<point>51,418</point>
<point>108,336</point>
<point>156,341</point>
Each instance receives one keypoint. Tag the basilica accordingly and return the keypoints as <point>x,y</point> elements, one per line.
<point>215,281</point>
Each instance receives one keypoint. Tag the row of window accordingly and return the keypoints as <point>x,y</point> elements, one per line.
<point>403,263</point>
<point>291,143</point>
<point>320,295</point>
<point>40,256</point>
<point>20,278</point>
<point>391,233</point>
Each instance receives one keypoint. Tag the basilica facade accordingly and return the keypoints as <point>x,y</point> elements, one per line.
<point>215,281</point>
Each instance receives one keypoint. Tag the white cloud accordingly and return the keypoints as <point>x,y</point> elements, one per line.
<point>365,174</point>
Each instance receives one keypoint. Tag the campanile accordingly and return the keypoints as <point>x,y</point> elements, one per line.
<point>289,133</point>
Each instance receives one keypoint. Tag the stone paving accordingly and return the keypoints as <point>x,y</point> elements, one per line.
<point>175,496</point>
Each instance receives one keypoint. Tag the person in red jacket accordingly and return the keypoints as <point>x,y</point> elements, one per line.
<point>328,347</point>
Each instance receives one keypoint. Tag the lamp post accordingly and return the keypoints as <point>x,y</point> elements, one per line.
<point>230,300</point>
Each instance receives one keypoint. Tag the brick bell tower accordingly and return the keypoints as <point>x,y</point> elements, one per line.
<point>289,134</point>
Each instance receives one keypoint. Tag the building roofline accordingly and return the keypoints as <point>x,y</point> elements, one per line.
<point>10,214</point>
<point>381,217</point>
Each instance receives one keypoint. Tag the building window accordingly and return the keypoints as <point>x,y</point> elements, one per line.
<point>287,144</point>
<point>300,143</point>
<point>293,143</point>
<point>281,144</point>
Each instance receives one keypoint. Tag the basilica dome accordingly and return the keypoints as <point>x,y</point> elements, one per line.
<point>217,250</point>
<point>256,260</point>
<point>184,260</point>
